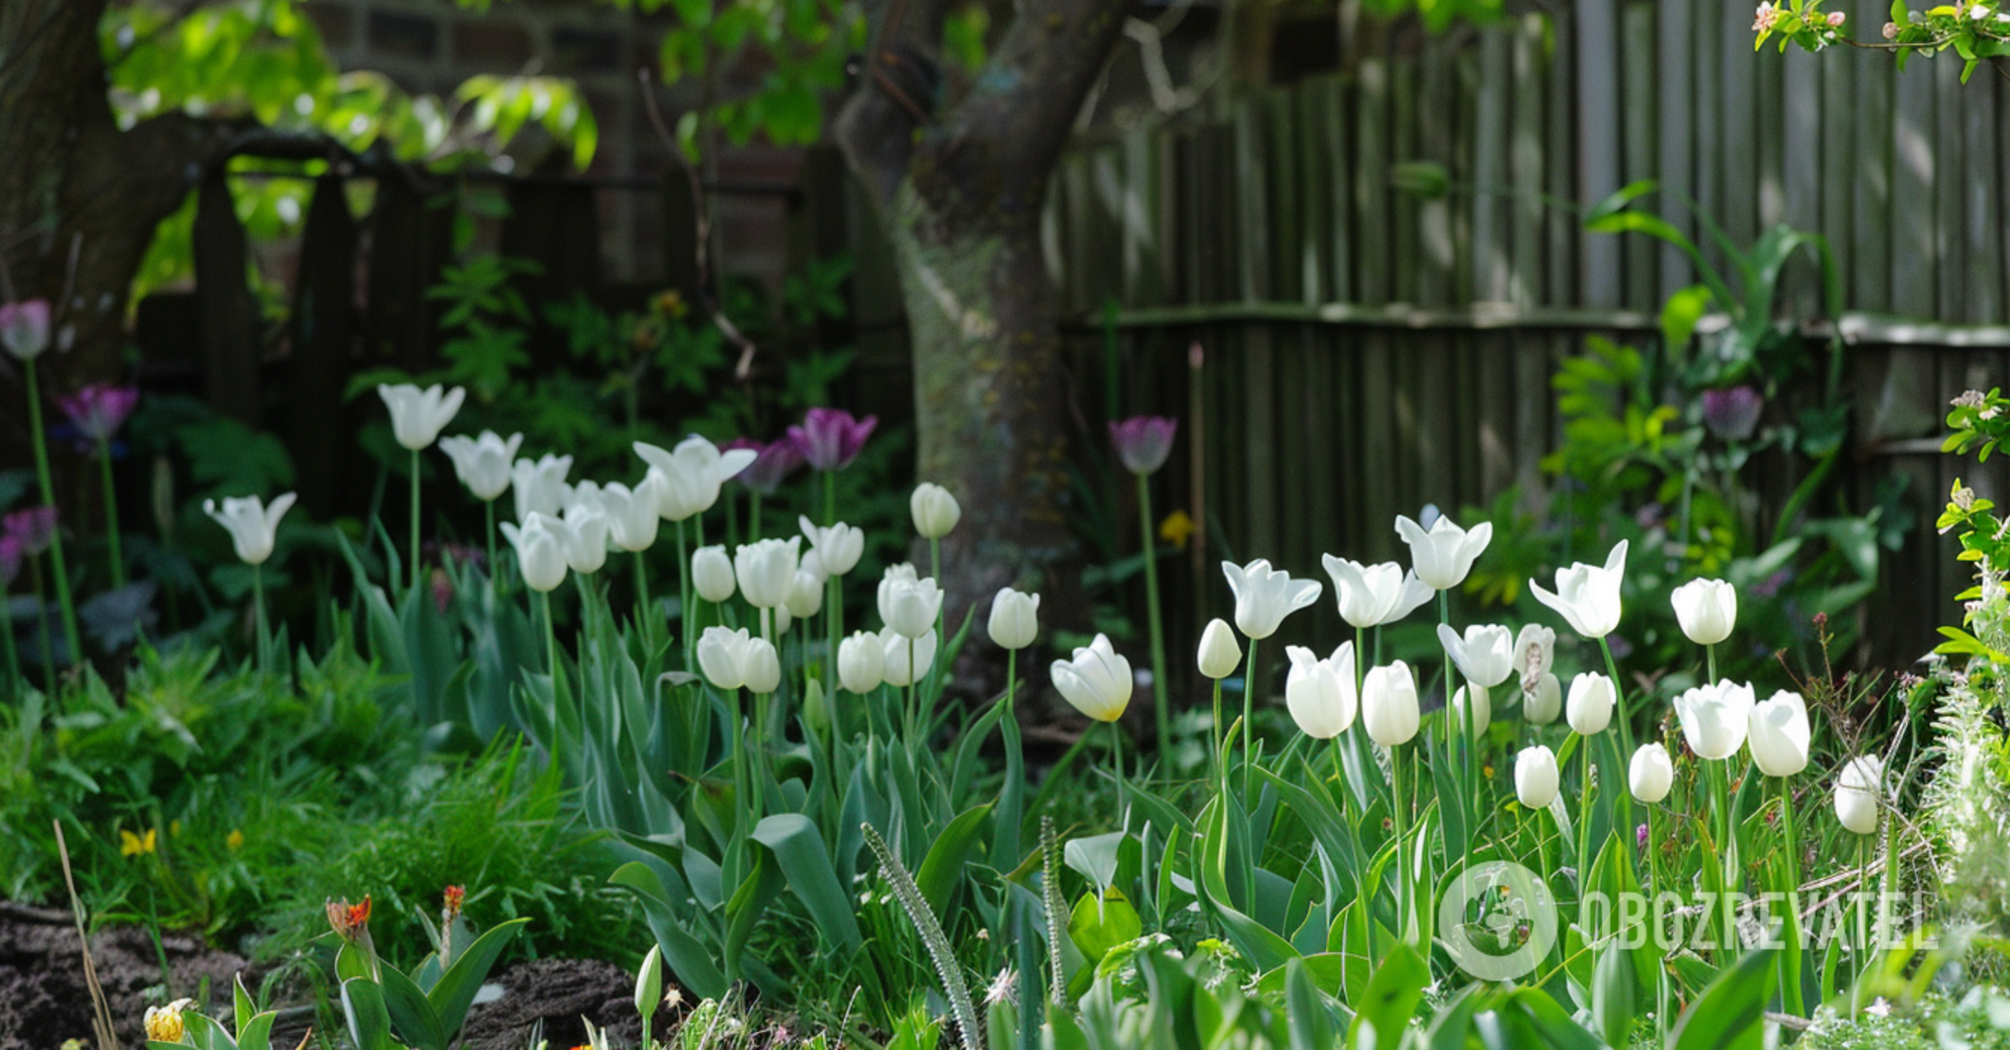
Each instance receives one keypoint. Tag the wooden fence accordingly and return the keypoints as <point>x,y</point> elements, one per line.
<point>1371,349</point>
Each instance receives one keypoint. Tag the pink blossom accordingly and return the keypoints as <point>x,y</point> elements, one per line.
<point>1767,15</point>
<point>33,528</point>
<point>1835,18</point>
<point>829,438</point>
<point>1891,30</point>
<point>99,410</point>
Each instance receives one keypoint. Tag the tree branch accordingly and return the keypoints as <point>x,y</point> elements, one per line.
<point>895,96</point>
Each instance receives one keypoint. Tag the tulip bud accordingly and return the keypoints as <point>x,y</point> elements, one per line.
<point>761,666</point>
<point>907,659</point>
<point>1014,619</point>
<point>24,328</point>
<point>1651,773</point>
<point>1389,704</point>
<point>712,574</point>
<point>483,464</point>
<point>1589,706</point>
<point>649,984</point>
<point>164,1023</point>
<point>1779,735</point>
<point>1443,555</point>
<point>1096,681</point>
<point>1541,705</point>
<point>1706,609</point>
<point>540,552</point>
<point>1535,777</point>
<point>782,619</point>
<point>838,546</point>
<point>906,604</point>
<point>1715,718</point>
<point>1320,693</point>
<point>584,537</point>
<point>1219,653</point>
<point>1858,794</point>
<point>631,515</point>
<point>1483,709</point>
<point>539,485</point>
<point>806,594</point>
<point>722,655</point>
<point>861,662</point>
<point>1265,596</point>
<point>765,569</point>
<point>935,511</point>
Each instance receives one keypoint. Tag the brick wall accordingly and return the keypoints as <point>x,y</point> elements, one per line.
<point>435,45</point>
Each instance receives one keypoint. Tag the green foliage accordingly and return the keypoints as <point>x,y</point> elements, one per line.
<point>1975,31</point>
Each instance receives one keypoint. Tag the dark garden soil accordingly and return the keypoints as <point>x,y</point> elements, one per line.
<point>44,999</point>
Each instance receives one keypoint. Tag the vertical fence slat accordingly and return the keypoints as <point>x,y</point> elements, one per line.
<point>1950,248</point>
<point>1675,41</point>
<point>1870,234</point>
<point>1526,284</point>
<point>1640,158</point>
<point>1600,143</point>
<point>1912,209</point>
<point>1984,225</point>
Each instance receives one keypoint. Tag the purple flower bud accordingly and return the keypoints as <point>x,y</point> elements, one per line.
<point>830,438</point>
<point>99,410</point>
<point>33,528</point>
<point>1144,442</point>
<point>775,461</point>
<point>1732,415</point>
<point>1640,836</point>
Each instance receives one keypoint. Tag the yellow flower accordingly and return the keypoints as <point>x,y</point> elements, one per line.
<point>131,845</point>
<point>234,841</point>
<point>1176,529</point>
<point>164,1022</point>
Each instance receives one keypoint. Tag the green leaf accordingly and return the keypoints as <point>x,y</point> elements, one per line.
<point>1680,314</point>
<point>1311,1018</point>
<point>694,967</point>
<point>1392,996</point>
<point>363,1008</point>
<point>451,997</point>
<point>799,847</point>
<point>411,1015</point>
<point>1730,1014</point>
<point>942,869</point>
<point>1099,924</point>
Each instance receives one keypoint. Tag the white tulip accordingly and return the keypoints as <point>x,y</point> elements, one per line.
<point>540,550</point>
<point>418,416</point>
<point>631,515</point>
<point>1859,794</point>
<point>1715,718</point>
<point>765,569</point>
<point>1443,555</point>
<point>935,510</point>
<point>896,647</point>
<point>722,655</point>
<point>585,537</point>
<point>539,485</point>
<point>1589,706</point>
<point>838,546</point>
<point>780,615</point>
<point>1587,595</point>
<point>693,473</point>
<point>1389,704</point>
<point>1485,654</point>
<point>861,662</point>
<point>1096,681</point>
<point>1483,710</point>
<point>482,464</point>
<point>806,594</point>
<point>1265,596</point>
<point>1651,773</point>
<point>1534,653</point>
<point>907,604</point>
<point>712,573</point>
<point>253,525</point>
<point>1535,777</point>
<point>1706,609</point>
<point>1015,619</point>
<point>1320,693</point>
<point>1373,595</point>
<point>761,666</point>
<point>1779,735</point>
<point>1219,653</point>
<point>1544,703</point>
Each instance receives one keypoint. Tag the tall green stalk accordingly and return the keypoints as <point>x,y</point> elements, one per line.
<point>7,642</point>
<point>116,556</point>
<point>941,614</point>
<point>1469,770</point>
<point>42,625</point>
<point>1248,714</point>
<point>415,519</point>
<point>684,617</point>
<point>489,509</point>
<point>1010,812</point>
<point>1160,705</point>
<point>1400,809</point>
<point>645,614</point>
<point>40,441</point>
<point>1584,818</point>
<point>830,498</point>
<point>551,661</point>
<point>259,628</point>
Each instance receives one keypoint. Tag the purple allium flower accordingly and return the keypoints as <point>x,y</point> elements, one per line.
<point>34,528</point>
<point>830,438</point>
<point>24,328</point>
<point>99,410</point>
<point>776,461</point>
<point>1144,442</point>
<point>1732,415</point>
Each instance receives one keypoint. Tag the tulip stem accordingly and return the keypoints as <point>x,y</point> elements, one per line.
<point>1618,698</point>
<point>684,617</point>
<point>1220,773</point>
<point>642,603</point>
<point>1584,819</point>
<point>13,664</point>
<point>42,625</point>
<point>742,777</point>
<point>753,515</point>
<point>1400,809</point>
<point>1710,661</point>
<point>42,475</point>
<point>1160,705</point>
<point>117,559</point>
<point>1467,719</point>
<point>941,611</point>
<point>489,507</point>
<point>1655,946</point>
<point>830,498</point>
<point>1012,796</point>
<point>1117,764</point>
<point>551,662</point>
<point>836,621</point>
<point>1721,783</point>
<point>1248,716</point>
<point>415,519</point>
<point>1791,991</point>
<point>258,614</point>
